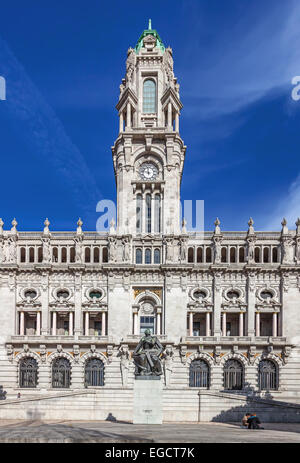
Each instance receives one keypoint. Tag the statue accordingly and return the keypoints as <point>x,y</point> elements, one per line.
<point>168,364</point>
<point>126,250</point>
<point>2,253</point>
<point>112,250</point>
<point>78,251</point>
<point>183,250</point>
<point>217,250</point>
<point>250,257</point>
<point>46,250</point>
<point>124,364</point>
<point>146,356</point>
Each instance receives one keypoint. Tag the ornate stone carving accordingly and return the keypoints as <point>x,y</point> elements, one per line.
<point>130,64</point>
<point>217,249</point>
<point>183,250</point>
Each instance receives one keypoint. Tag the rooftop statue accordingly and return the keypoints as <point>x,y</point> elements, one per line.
<point>146,356</point>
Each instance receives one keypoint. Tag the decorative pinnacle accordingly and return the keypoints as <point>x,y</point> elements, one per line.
<point>79,223</point>
<point>284,222</point>
<point>217,226</point>
<point>47,223</point>
<point>1,223</point>
<point>217,222</point>
<point>297,222</point>
<point>149,25</point>
<point>14,226</point>
<point>251,222</point>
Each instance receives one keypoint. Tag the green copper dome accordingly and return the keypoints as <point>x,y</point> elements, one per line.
<point>155,34</point>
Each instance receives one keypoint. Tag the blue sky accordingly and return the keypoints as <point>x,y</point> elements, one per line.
<point>63,62</point>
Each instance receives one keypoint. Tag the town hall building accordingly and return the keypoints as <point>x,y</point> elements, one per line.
<point>224,305</point>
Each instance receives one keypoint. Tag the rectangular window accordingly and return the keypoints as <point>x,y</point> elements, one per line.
<point>147,323</point>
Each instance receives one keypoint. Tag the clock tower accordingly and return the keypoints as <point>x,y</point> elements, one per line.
<point>148,155</point>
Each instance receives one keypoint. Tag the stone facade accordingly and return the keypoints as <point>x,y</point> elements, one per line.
<point>211,297</point>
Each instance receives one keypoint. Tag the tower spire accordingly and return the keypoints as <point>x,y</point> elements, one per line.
<point>149,25</point>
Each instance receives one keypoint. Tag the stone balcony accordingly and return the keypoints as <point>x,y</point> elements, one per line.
<point>236,340</point>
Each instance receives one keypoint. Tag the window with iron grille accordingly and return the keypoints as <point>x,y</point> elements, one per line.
<point>28,372</point>
<point>267,374</point>
<point>61,373</point>
<point>199,374</point>
<point>94,372</point>
<point>233,375</point>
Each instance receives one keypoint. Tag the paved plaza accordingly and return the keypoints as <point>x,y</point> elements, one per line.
<point>97,431</point>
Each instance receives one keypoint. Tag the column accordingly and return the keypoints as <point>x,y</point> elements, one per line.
<point>274,329</point>
<point>257,324</point>
<point>87,324</point>
<point>135,323</point>
<point>54,322</point>
<point>128,115</point>
<point>241,324</point>
<point>191,316</point>
<point>134,118</point>
<point>70,323</point>
<point>170,115</point>
<point>121,122</point>
<point>207,326</point>
<point>38,323</point>
<point>103,324</point>
<point>224,324</point>
<point>177,122</point>
<point>158,323</point>
<point>22,317</point>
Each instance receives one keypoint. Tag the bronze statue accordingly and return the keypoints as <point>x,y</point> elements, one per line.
<point>146,356</point>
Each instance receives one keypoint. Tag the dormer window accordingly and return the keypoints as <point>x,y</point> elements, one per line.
<point>149,96</point>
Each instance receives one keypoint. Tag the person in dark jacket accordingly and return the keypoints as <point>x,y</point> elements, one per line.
<point>254,422</point>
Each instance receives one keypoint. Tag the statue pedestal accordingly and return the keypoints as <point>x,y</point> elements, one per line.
<point>147,400</point>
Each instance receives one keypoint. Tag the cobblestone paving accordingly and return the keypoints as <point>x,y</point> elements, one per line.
<point>67,431</point>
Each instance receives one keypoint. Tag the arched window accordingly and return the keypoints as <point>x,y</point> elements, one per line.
<point>148,256</point>
<point>139,213</point>
<point>31,254</point>
<point>61,373</point>
<point>87,255</point>
<point>149,96</point>
<point>94,372</point>
<point>191,255</point>
<point>72,254</point>
<point>157,214</point>
<point>148,214</point>
<point>28,372</point>
<point>64,255</point>
<point>55,255</point>
<point>224,255</point>
<point>232,255</point>
<point>233,375</point>
<point>104,255</point>
<point>199,374</point>
<point>275,255</point>
<point>96,255</point>
<point>267,375</point>
<point>40,254</point>
<point>257,255</point>
<point>199,255</point>
<point>156,256</point>
<point>266,255</point>
<point>208,255</point>
<point>23,255</point>
<point>138,256</point>
<point>242,254</point>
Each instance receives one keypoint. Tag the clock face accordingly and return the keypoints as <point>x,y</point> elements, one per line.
<point>148,171</point>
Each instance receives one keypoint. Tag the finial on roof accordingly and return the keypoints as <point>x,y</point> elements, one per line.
<point>298,226</point>
<point>183,230</point>
<point>46,228</point>
<point>79,225</point>
<point>251,228</point>
<point>149,25</point>
<point>284,229</point>
<point>217,227</point>
<point>1,226</point>
<point>14,226</point>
